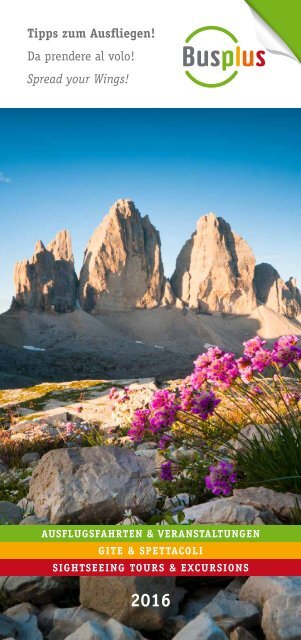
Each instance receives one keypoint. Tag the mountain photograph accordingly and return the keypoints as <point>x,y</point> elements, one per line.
<point>150,369</point>
<point>114,315</point>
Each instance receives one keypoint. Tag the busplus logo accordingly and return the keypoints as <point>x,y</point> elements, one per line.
<point>214,67</point>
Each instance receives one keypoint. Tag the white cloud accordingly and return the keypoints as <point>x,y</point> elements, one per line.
<point>4,179</point>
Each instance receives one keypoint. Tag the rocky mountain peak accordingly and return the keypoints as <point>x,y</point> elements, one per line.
<point>209,218</point>
<point>47,282</point>
<point>122,264</point>
<point>215,269</point>
<point>125,206</point>
<point>292,285</point>
<point>39,248</point>
<point>282,297</point>
<point>61,246</point>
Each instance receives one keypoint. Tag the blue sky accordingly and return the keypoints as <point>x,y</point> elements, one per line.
<point>64,168</point>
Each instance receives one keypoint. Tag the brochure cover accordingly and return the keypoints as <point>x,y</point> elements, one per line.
<point>150,320</point>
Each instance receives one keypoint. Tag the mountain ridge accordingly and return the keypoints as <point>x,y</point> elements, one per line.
<point>123,270</point>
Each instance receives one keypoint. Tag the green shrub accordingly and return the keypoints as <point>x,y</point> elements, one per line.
<point>271,459</point>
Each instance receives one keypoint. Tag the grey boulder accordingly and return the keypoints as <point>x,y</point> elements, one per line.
<point>112,630</point>
<point>23,625</point>
<point>201,628</point>
<point>113,597</point>
<point>281,619</point>
<point>10,513</point>
<point>260,589</point>
<point>281,504</point>
<point>228,612</point>
<point>92,485</point>
<point>10,628</point>
<point>228,511</point>
<point>88,631</point>
<point>35,589</point>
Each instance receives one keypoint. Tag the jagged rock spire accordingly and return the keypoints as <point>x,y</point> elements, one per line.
<point>47,282</point>
<point>282,297</point>
<point>215,269</point>
<point>122,265</point>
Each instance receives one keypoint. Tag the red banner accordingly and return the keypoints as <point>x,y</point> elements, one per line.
<point>153,568</point>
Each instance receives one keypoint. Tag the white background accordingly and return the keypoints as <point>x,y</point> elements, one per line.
<point>157,78</point>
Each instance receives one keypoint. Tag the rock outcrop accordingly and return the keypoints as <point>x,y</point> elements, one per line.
<point>230,511</point>
<point>9,513</point>
<point>259,589</point>
<point>34,589</point>
<point>281,617</point>
<point>92,485</point>
<point>292,286</point>
<point>20,622</point>
<point>282,297</point>
<point>201,628</point>
<point>47,282</point>
<point>122,265</point>
<point>229,612</point>
<point>215,269</point>
<point>113,596</point>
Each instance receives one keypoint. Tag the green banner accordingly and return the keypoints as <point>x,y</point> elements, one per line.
<point>144,533</point>
<point>284,17</point>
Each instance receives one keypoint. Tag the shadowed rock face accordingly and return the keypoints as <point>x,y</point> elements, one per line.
<point>122,265</point>
<point>215,269</point>
<point>282,297</point>
<point>47,281</point>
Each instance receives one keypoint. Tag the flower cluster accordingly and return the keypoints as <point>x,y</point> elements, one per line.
<point>119,395</point>
<point>162,410</point>
<point>283,353</point>
<point>69,427</point>
<point>257,358</point>
<point>251,347</point>
<point>214,366</point>
<point>113,393</point>
<point>157,418</point>
<point>285,350</point>
<point>165,441</point>
<point>166,471</point>
<point>245,369</point>
<point>221,478</point>
<point>249,383</point>
<point>161,413</point>
<point>200,403</point>
<point>140,425</point>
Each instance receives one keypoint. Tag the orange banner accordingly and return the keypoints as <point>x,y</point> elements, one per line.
<point>150,551</point>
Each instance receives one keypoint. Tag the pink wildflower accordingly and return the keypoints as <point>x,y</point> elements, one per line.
<point>292,398</point>
<point>163,410</point>
<point>200,403</point>
<point>245,369</point>
<point>140,425</point>
<point>262,359</point>
<point>166,472</point>
<point>223,371</point>
<point>69,427</point>
<point>252,346</point>
<point>221,478</point>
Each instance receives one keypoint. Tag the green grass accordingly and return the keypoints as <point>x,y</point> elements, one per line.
<point>36,398</point>
<point>41,393</point>
<point>12,488</point>
<point>273,459</point>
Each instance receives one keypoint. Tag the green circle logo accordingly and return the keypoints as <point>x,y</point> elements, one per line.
<point>192,77</point>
